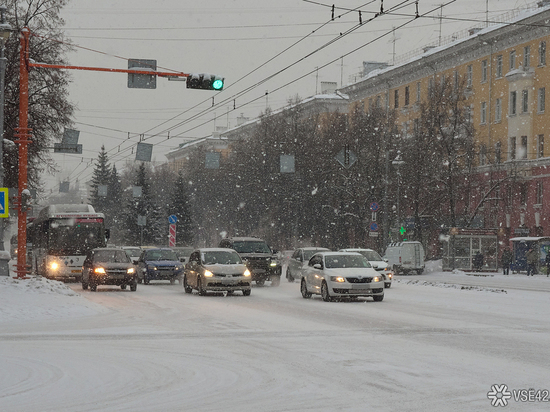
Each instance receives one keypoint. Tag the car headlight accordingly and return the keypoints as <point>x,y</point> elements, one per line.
<point>339,279</point>
<point>54,266</point>
<point>246,273</point>
<point>273,263</point>
<point>390,275</point>
<point>376,279</point>
<point>208,274</point>
<point>152,268</point>
<point>130,271</point>
<point>99,270</point>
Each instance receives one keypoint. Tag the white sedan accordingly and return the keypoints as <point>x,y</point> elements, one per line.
<point>341,274</point>
<point>377,262</point>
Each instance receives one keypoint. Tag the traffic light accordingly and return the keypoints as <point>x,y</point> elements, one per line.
<point>205,81</point>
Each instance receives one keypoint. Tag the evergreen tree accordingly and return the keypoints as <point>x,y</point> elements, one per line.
<point>101,176</point>
<point>180,207</point>
<point>114,202</point>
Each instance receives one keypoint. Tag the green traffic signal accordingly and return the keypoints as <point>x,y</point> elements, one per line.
<point>218,84</point>
<point>205,81</point>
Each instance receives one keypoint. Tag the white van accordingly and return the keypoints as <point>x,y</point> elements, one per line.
<point>405,257</point>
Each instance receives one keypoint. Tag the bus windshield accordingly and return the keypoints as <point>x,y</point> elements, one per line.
<point>75,236</point>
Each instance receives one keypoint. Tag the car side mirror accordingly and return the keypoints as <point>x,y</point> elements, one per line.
<point>135,262</point>
<point>386,260</point>
<point>318,266</point>
<point>182,260</point>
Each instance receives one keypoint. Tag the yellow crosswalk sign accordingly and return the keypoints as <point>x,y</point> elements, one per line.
<point>4,212</point>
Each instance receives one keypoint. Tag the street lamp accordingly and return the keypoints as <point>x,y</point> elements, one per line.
<point>5,30</point>
<point>398,161</point>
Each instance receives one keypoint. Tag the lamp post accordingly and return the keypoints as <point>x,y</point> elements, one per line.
<point>5,30</point>
<point>398,161</point>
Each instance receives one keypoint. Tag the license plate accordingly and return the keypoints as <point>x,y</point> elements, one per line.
<point>360,286</point>
<point>76,271</point>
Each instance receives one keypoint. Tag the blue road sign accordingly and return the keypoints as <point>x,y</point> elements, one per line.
<point>374,226</point>
<point>374,207</point>
<point>172,219</point>
<point>4,202</point>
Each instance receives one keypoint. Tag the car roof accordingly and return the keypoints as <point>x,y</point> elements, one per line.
<point>214,249</point>
<point>339,253</point>
<point>315,248</point>
<point>357,250</point>
<point>245,238</point>
<point>105,248</point>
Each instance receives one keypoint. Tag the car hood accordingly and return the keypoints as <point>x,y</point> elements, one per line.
<point>365,272</point>
<point>163,262</point>
<point>226,269</point>
<point>112,265</point>
<point>378,264</point>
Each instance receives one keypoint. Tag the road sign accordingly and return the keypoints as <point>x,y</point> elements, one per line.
<point>374,226</point>
<point>4,212</point>
<point>172,236</point>
<point>142,81</point>
<point>172,219</point>
<point>374,206</point>
<point>67,148</point>
<point>346,157</point>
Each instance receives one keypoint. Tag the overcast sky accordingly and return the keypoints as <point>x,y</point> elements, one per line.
<point>286,48</point>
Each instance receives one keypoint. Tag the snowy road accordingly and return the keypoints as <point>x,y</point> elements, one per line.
<point>427,347</point>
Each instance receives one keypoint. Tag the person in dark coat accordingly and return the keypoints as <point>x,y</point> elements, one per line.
<point>478,261</point>
<point>506,260</point>
<point>532,258</point>
<point>547,261</point>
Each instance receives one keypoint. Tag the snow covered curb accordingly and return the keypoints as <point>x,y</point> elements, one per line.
<point>37,284</point>
<point>448,285</point>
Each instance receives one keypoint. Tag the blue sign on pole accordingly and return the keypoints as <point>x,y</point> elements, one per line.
<point>374,226</point>
<point>4,202</point>
<point>374,206</point>
<point>172,219</point>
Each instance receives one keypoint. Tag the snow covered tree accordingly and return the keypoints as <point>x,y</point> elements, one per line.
<point>101,176</point>
<point>179,205</point>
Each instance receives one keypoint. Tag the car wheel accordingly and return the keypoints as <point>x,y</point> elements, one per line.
<point>84,285</point>
<point>145,280</point>
<point>275,281</point>
<point>186,287</point>
<point>246,292</point>
<point>133,286</point>
<point>200,287</point>
<point>289,276</point>
<point>123,286</point>
<point>325,293</point>
<point>260,282</point>
<point>387,285</point>
<point>378,298</point>
<point>303,289</point>
<point>172,281</point>
<point>93,287</point>
<point>229,293</point>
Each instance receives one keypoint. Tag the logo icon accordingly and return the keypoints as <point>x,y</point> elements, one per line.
<point>499,395</point>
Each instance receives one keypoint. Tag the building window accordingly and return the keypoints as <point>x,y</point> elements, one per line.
<point>469,75</point>
<point>407,95</point>
<point>512,60</point>
<point>512,154</point>
<point>484,69</point>
<point>539,193</point>
<point>509,196</point>
<point>378,102</point>
<point>482,155</point>
<point>498,110</point>
<point>523,154</point>
<point>455,80</point>
<point>542,53</point>
<point>370,104</point>
<point>418,90</point>
<point>483,112</point>
<point>526,56</point>
<point>499,66</point>
<point>498,152</point>
<point>541,100</point>
<point>396,99</point>
<point>513,102</point>
<point>525,101</point>
<point>540,145</point>
<point>523,194</point>
<point>430,86</point>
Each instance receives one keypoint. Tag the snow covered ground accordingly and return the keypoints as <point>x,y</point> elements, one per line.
<point>438,342</point>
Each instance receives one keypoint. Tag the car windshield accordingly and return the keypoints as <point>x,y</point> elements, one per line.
<point>346,261</point>
<point>370,255</point>
<point>160,255</point>
<point>251,246</point>
<point>114,256</point>
<point>134,252</point>
<point>309,253</point>
<point>220,258</point>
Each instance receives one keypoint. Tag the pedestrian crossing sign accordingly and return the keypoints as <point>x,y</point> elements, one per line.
<point>4,202</point>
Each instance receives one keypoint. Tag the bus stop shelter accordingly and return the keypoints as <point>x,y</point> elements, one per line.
<point>460,247</point>
<point>520,246</point>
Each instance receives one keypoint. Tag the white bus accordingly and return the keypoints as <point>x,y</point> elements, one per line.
<point>61,236</point>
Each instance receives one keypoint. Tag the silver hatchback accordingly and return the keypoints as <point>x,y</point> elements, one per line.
<point>299,260</point>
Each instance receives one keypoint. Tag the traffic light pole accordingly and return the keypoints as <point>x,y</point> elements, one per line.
<point>23,133</point>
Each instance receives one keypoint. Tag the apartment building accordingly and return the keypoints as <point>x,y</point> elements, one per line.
<point>505,68</point>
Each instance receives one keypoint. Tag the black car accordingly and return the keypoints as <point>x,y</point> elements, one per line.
<point>260,259</point>
<point>108,266</point>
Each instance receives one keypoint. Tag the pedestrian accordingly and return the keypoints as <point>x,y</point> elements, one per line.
<point>532,258</point>
<point>506,260</point>
<point>547,261</point>
<point>478,261</point>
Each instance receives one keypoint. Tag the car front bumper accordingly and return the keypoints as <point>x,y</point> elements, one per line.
<point>225,284</point>
<point>356,289</point>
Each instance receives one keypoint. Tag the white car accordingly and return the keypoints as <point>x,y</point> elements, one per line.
<point>380,264</point>
<point>298,261</point>
<point>341,274</point>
